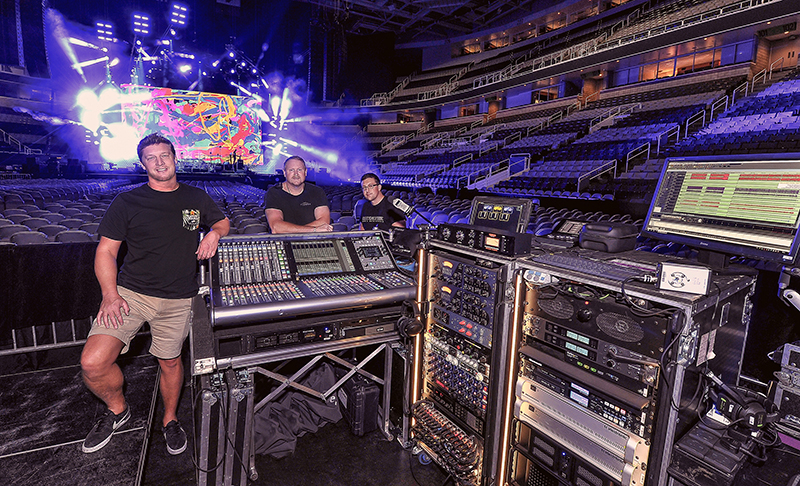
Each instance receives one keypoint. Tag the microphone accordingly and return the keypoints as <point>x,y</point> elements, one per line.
<point>401,205</point>
<point>407,209</point>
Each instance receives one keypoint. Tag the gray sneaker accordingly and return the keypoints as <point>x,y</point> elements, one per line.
<point>104,428</point>
<point>175,437</point>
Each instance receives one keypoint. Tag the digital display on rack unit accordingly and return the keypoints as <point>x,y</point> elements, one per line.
<point>500,213</point>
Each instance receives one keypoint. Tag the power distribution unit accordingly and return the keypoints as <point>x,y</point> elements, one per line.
<point>606,367</point>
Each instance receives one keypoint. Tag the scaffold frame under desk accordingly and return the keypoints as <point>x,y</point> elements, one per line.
<point>236,376</point>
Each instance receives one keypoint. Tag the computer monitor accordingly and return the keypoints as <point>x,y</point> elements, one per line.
<point>731,205</point>
<point>502,213</point>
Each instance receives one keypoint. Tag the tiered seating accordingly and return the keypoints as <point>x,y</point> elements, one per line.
<point>38,211</point>
<point>377,133</point>
<point>669,13</point>
<point>766,123</point>
<point>427,81</point>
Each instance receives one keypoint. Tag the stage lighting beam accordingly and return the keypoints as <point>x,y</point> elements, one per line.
<point>241,88</point>
<point>90,63</point>
<point>83,43</point>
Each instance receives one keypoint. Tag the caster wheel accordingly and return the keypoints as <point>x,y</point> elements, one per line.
<point>424,459</point>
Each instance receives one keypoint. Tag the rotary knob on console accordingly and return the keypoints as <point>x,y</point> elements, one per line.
<point>585,315</point>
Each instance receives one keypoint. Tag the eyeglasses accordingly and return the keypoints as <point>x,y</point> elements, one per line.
<point>368,186</point>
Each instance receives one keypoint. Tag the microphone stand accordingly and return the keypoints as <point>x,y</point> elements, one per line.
<point>414,210</point>
<point>411,209</point>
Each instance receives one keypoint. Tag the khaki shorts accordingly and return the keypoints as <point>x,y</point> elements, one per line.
<point>169,320</point>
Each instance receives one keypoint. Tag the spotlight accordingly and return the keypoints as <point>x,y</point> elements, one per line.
<point>178,14</point>
<point>141,24</point>
<point>185,68</point>
<point>105,31</point>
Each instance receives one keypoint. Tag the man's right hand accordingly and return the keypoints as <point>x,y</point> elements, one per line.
<point>111,310</point>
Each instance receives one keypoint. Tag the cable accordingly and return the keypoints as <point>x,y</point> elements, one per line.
<point>638,310</point>
<point>664,368</point>
<point>411,469</point>
<point>194,452</point>
<point>788,451</point>
<point>752,456</point>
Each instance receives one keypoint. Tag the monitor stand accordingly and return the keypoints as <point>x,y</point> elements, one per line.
<point>720,263</point>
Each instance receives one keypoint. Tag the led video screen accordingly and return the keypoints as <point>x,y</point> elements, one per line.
<point>209,128</point>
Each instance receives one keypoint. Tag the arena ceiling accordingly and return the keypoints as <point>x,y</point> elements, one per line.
<point>422,20</point>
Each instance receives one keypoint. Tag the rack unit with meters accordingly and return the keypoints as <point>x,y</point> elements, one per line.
<point>606,371</point>
<point>460,361</point>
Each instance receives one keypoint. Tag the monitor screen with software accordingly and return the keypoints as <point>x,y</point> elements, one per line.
<point>742,206</point>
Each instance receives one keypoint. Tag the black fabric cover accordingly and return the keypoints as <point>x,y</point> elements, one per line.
<point>46,283</point>
<point>279,423</point>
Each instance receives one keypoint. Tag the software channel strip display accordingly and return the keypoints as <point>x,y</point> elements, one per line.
<point>740,207</point>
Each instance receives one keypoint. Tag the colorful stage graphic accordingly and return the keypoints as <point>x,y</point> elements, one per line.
<point>204,127</point>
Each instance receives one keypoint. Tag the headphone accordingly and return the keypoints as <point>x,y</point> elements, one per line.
<point>409,324</point>
<point>741,405</point>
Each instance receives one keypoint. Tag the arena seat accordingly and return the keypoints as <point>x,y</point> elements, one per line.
<point>73,236</point>
<point>72,223</point>
<point>54,218</point>
<point>51,230</point>
<point>70,212</point>
<point>35,223</point>
<point>357,208</point>
<point>348,221</point>
<point>18,218</point>
<point>7,231</point>
<point>252,229</point>
<point>90,228</point>
<point>29,238</point>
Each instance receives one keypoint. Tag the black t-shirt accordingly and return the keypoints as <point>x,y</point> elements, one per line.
<point>299,209</point>
<point>161,230</point>
<point>380,216</point>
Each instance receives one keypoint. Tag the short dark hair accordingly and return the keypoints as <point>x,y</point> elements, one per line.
<point>153,139</point>
<point>371,175</point>
<point>295,157</point>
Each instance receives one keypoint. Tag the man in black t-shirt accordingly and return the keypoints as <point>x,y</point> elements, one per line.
<point>294,206</point>
<point>160,223</point>
<point>377,212</point>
